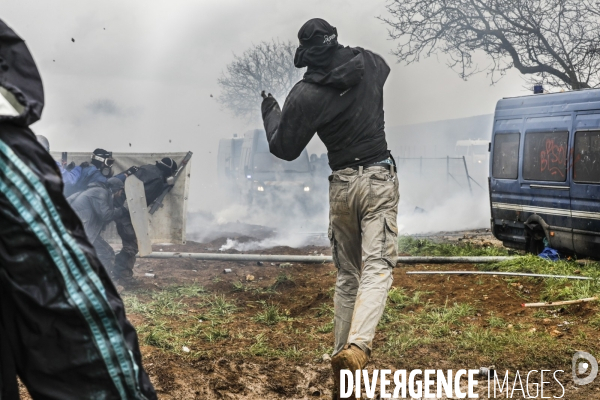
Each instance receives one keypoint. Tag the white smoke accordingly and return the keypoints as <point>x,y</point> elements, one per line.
<point>459,212</point>
<point>433,201</point>
<point>283,220</point>
<point>297,240</point>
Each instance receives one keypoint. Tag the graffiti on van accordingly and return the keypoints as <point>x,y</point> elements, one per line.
<point>553,158</point>
<point>575,159</point>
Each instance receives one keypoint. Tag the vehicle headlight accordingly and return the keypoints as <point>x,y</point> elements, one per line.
<point>479,161</point>
<point>260,188</point>
<point>306,188</point>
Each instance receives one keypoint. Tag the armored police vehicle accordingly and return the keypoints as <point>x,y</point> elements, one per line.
<point>254,175</point>
<point>545,172</point>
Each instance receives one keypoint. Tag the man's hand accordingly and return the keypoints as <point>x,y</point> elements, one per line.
<point>84,165</point>
<point>132,170</point>
<point>264,95</point>
<point>70,166</point>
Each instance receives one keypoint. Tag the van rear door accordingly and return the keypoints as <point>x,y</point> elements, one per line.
<point>545,183</point>
<point>504,182</point>
<point>585,189</point>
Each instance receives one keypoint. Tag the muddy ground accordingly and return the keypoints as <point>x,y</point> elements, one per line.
<point>203,333</point>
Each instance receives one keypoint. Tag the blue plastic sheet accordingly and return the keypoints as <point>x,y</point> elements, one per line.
<point>550,254</point>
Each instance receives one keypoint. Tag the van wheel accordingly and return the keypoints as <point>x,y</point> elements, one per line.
<point>535,240</point>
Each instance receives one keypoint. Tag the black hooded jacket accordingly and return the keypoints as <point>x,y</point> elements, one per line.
<point>342,103</point>
<point>154,181</point>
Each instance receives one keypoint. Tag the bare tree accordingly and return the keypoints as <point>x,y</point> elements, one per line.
<point>555,42</point>
<point>267,66</point>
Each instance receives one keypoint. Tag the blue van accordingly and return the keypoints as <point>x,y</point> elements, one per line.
<point>545,172</point>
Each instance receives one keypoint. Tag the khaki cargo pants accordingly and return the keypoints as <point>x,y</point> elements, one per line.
<point>362,219</point>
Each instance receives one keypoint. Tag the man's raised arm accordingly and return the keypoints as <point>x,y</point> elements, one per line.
<point>290,130</point>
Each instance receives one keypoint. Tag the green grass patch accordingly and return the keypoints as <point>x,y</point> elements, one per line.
<point>164,303</point>
<point>554,289</point>
<point>215,333</point>
<point>325,328</point>
<point>496,322</point>
<point>187,291</point>
<point>271,315</point>
<point>448,330</point>
<point>398,344</point>
<point>158,335</point>
<point>220,306</point>
<point>447,315</point>
<point>424,247</point>
<point>331,292</point>
<point>528,349</point>
<point>262,348</point>
<point>531,263</point>
<point>324,310</point>
<point>238,286</point>
<point>400,299</point>
<point>281,279</point>
<point>429,324</point>
<point>595,321</point>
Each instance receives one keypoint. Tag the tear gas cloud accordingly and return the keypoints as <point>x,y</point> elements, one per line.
<point>283,221</point>
<point>435,193</point>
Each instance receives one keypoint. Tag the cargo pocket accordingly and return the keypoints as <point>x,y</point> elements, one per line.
<point>390,241</point>
<point>338,197</point>
<point>334,249</point>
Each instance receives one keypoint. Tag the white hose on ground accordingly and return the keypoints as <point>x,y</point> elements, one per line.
<point>583,278</point>
<point>320,259</point>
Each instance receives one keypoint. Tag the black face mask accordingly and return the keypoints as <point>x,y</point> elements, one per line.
<point>318,43</point>
<point>106,171</point>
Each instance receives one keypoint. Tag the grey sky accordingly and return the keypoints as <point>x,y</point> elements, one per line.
<point>142,72</point>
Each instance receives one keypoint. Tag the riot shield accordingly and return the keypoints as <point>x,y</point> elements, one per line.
<point>138,210</point>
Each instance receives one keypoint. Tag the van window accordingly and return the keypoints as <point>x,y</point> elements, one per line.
<point>586,159</point>
<point>506,156</point>
<point>545,156</point>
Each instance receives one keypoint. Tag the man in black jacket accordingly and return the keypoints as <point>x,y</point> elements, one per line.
<point>341,99</point>
<point>63,328</point>
<point>156,180</point>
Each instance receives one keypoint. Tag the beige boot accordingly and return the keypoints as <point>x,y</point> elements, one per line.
<point>351,358</point>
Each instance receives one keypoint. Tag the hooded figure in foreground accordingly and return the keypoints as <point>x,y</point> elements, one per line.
<point>63,328</point>
<point>341,99</point>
